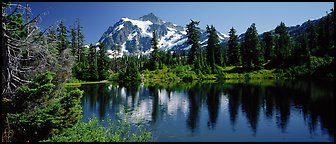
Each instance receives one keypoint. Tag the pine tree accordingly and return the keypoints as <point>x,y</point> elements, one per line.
<point>233,48</point>
<point>62,38</point>
<point>193,40</point>
<point>102,62</point>
<point>183,57</point>
<point>257,53</point>
<point>77,40</point>
<point>155,53</point>
<point>93,69</point>
<point>214,53</point>
<point>251,50</point>
<point>312,37</point>
<point>74,44</point>
<point>210,48</point>
<point>282,43</point>
<point>268,45</point>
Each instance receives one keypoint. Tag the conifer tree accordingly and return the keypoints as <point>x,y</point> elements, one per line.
<point>233,48</point>
<point>193,40</point>
<point>62,37</point>
<point>251,49</point>
<point>155,53</point>
<point>93,69</point>
<point>257,56</point>
<point>282,43</point>
<point>268,45</point>
<point>102,62</point>
<point>214,53</point>
<point>312,37</point>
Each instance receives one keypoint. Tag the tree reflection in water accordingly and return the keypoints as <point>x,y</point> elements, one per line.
<point>276,101</point>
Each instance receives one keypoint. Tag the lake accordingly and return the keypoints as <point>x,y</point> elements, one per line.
<point>260,110</point>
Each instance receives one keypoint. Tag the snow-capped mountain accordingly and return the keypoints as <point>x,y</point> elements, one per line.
<point>134,36</point>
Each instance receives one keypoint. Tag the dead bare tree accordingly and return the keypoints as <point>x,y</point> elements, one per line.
<point>23,57</point>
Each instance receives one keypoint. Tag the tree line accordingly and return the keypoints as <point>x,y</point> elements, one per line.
<point>273,49</point>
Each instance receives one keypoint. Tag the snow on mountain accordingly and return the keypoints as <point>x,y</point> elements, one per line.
<point>134,36</point>
<point>143,25</point>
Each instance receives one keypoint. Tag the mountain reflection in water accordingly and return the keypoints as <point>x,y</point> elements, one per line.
<point>262,110</point>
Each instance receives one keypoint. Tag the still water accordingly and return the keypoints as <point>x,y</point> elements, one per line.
<point>266,110</point>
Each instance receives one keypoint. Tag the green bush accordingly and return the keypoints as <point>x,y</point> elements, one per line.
<point>93,131</point>
<point>41,109</point>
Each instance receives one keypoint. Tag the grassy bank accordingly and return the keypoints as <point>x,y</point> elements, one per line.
<point>317,67</point>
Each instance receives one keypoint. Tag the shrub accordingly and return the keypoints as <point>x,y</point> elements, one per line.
<point>93,131</point>
<point>41,109</point>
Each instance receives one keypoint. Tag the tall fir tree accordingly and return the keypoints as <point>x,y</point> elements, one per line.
<point>268,45</point>
<point>74,44</point>
<point>282,43</point>
<point>257,52</point>
<point>77,41</point>
<point>312,37</point>
<point>233,48</point>
<point>251,49</point>
<point>93,69</point>
<point>193,40</point>
<point>210,48</point>
<point>62,38</point>
<point>155,53</point>
<point>102,62</point>
<point>214,41</point>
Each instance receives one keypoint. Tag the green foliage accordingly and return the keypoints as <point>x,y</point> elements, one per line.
<point>210,48</point>
<point>41,109</point>
<point>93,69</point>
<point>268,45</point>
<point>251,49</point>
<point>282,43</point>
<point>322,67</point>
<point>93,131</point>
<point>193,40</point>
<point>154,60</point>
<point>16,21</point>
<point>63,41</point>
<point>131,74</point>
<point>233,48</point>
<point>102,63</point>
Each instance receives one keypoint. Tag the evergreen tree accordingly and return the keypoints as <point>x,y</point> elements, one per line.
<point>80,41</point>
<point>183,57</point>
<point>257,52</point>
<point>304,47</point>
<point>233,48</point>
<point>102,62</point>
<point>282,43</point>
<point>214,54</point>
<point>268,45</point>
<point>193,40</point>
<point>77,41</point>
<point>74,44</point>
<point>62,38</point>
<point>210,47</point>
<point>312,37</point>
<point>155,53</point>
<point>251,49</point>
<point>93,69</point>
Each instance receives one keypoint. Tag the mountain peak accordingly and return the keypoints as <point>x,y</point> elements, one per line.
<point>151,17</point>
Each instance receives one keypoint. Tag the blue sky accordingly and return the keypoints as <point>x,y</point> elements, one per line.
<point>96,17</point>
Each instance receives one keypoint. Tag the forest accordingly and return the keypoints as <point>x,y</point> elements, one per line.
<point>37,65</point>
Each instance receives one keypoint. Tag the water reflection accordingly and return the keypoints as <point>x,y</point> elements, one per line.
<point>265,106</point>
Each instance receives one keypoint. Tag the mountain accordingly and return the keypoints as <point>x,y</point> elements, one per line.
<point>134,36</point>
